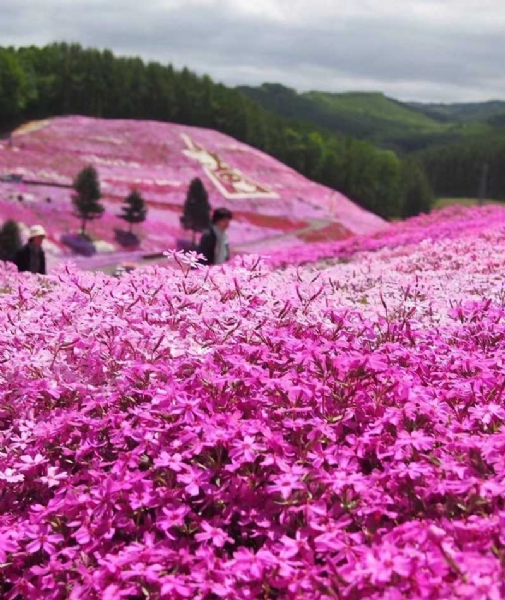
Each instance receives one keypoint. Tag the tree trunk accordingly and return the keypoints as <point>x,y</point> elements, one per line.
<point>83,228</point>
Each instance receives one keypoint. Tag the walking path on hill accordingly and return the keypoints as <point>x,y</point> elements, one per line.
<point>144,261</point>
<point>314,225</point>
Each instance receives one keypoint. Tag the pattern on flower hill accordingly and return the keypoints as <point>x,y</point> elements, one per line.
<point>231,183</point>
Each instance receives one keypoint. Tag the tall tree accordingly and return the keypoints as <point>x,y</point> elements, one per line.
<point>86,201</point>
<point>134,209</point>
<point>10,240</point>
<point>196,216</point>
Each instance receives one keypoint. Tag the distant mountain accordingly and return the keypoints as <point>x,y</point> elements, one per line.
<point>379,119</point>
<point>476,112</point>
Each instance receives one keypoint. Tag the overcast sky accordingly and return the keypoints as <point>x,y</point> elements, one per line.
<point>427,50</point>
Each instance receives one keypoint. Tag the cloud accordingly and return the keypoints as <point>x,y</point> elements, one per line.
<point>443,50</point>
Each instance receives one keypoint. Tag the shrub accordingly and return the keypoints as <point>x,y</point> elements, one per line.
<point>79,244</point>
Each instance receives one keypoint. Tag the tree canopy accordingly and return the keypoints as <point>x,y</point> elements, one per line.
<point>134,209</point>
<point>67,79</point>
<point>196,211</point>
<point>10,240</point>
<point>86,200</point>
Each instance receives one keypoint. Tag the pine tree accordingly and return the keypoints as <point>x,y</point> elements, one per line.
<point>196,217</point>
<point>134,209</point>
<point>86,200</point>
<point>10,240</point>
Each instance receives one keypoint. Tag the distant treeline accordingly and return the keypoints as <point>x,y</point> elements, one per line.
<point>452,141</point>
<point>61,79</point>
<point>456,170</point>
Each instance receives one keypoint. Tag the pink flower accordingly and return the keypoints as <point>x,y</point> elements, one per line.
<point>7,545</point>
<point>171,584</point>
<point>173,461</point>
<point>245,450</point>
<point>42,539</point>
<point>53,477</point>
<point>28,462</point>
<point>11,476</point>
<point>214,534</point>
<point>192,481</point>
<point>382,568</point>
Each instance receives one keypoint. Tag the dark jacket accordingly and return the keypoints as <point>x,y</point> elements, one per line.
<point>22,260</point>
<point>207,247</point>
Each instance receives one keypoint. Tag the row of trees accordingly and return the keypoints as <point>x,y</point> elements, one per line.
<point>67,79</point>
<point>456,170</point>
<point>86,201</point>
<point>87,205</point>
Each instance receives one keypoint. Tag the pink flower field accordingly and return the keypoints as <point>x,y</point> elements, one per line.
<point>333,430</point>
<point>269,199</point>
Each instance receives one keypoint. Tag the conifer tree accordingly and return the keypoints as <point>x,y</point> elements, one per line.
<point>10,240</point>
<point>134,209</point>
<point>87,197</point>
<point>196,217</point>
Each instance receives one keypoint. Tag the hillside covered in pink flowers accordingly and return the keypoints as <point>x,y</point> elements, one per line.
<point>334,428</point>
<point>272,204</point>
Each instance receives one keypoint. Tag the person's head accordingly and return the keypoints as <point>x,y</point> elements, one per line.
<point>36,235</point>
<point>221,218</point>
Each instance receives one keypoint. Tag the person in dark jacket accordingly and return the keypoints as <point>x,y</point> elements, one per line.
<point>31,257</point>
<point>214,242</point>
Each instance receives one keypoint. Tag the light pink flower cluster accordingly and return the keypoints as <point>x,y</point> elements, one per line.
<point>321,432</point>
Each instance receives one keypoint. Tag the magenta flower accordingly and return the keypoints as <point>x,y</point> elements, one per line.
<point>382,568</point>
<point>171,585</point>
<point>246,450</point>
<point>7,545</point>
<point>27,462</point>
<point>11,476</point>
<point>329,429</point>
<point>42,539</point>
<point>213,534</point>
<point>53,477</point>
<point>172,461</point>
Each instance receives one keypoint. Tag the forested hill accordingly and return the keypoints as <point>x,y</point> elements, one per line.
<point>382,153</point>
<point>381,120</point>
<point>62,79</point>
<point>491,112</point>
<point>453,142</point>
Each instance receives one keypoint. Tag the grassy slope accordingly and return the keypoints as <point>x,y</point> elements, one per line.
<point>374,106</point>
<point>376,117</point>
<point>444,202</point>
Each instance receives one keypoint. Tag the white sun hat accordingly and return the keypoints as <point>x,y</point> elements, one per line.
<point>35,231</point>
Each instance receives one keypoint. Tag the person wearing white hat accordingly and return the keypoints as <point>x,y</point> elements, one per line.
<point>32,257</point>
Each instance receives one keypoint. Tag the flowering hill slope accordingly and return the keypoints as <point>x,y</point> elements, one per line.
<point>451,223</point>
<point>246,433</point>
<point>160,159</point>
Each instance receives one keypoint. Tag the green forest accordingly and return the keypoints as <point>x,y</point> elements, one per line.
<point>452,142</point>
<point>391,158</point>
<point>399,126</point>
<point>38,82</point>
